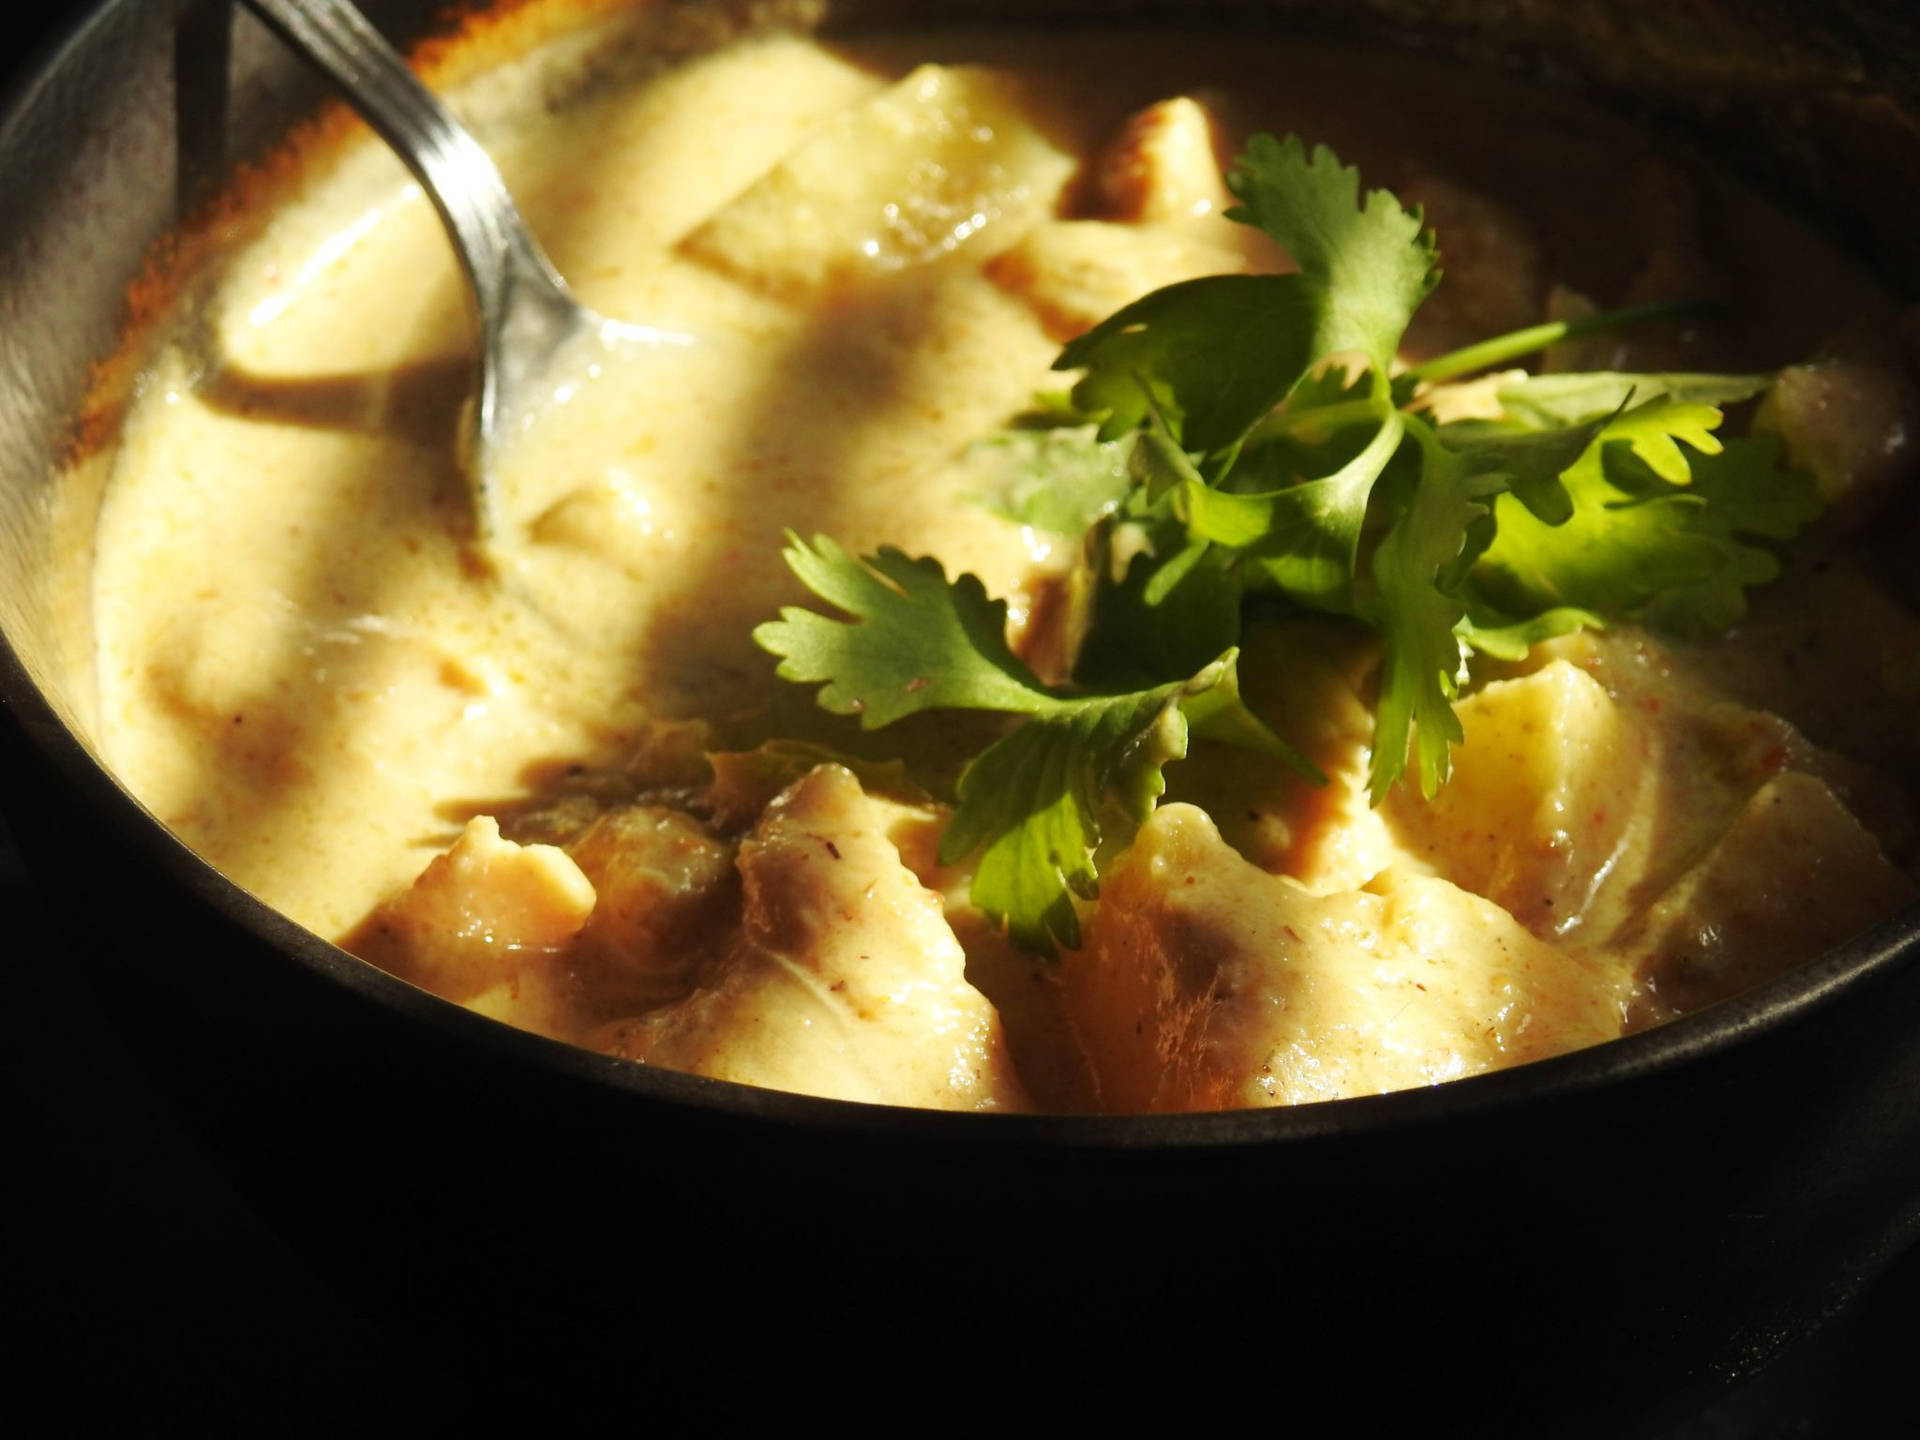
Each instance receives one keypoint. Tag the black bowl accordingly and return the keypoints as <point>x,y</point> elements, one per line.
<point>1577,1244</point>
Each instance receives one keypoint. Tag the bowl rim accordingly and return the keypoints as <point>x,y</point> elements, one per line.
<point>40,735</point>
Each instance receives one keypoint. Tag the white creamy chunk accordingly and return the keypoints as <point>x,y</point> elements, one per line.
<point>1794,875</point>
<point>844,980</point>
<point>948,157</point>
<point>1206,983</point>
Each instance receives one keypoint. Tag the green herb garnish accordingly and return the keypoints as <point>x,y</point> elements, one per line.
<point>1080,773</point>
<point>1244,437</point>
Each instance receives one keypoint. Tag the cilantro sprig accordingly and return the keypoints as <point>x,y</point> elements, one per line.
<point>1080,773</point>
<point>1245,438</point>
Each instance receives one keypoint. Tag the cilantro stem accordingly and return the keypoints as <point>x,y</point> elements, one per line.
<point>1326,418</point>
<point>1502,348</point>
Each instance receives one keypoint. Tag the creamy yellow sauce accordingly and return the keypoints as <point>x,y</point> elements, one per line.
<point>306,672</point>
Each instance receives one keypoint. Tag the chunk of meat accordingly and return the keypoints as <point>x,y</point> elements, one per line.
<point>1164,164</point>
<point>844,979</point>
<point>488,924</point>
<point>1793,876</point>
<point>1206,983</point>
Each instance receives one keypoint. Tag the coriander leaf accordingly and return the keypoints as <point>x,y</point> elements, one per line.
<point>1745,490</point>
<point>1310,543</point>
<point>1710,607</point>
<point>1212,355</point>
<point>1043,802</point>
<point>1542,402</point>
<point>1215,355</point>
<point>1641,447</point>
<point>1610,556</point>
<point>1159,464</point>
<point>1435,505</point>
<point>1372,260</point>
<point>1530,462</point>
<point>1631,532</point>
<point>1174,604</point>
<point>1751,490</point>
<point>1060,480</point>
<point>917,641</point>
<point>1082,770</point>
<point>1504,638</point>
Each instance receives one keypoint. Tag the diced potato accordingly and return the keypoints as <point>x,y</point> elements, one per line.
<point>1075,273</point>
<point>1545,791</point>
<point>1163,165</point>
<point>945,158</point>
<point>1206,983</point>
<point>1851,419</point>
<point>487,924</point>
<point>844,979</point>
<point>1794,876</point>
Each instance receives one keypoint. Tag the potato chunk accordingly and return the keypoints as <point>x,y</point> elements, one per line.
<point>1075,273</point>
<point>1850,418</point>
<point>1206,983</point>
<point>1794,876</point>
<point>928,165</point>
<point>844,979</point>
<point>1545,790</point>
<point>487,924</point>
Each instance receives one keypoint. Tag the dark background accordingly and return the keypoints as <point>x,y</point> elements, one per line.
<point>143,1285</point>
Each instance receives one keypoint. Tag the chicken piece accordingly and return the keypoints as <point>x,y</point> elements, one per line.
<point>1671,209</point>
<point>844,980</point>
<point>1163,165</point>
<point>945,156</point>
<point>1206,983</point>
<point>1794,876</point>
<point>488,924</point>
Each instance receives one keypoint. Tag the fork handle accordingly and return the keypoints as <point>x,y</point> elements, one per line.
<point>494,244</point>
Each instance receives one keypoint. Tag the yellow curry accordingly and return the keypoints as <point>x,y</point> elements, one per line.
<point>566,788</point>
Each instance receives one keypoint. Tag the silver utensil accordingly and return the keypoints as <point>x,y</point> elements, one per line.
<point>532,328</point>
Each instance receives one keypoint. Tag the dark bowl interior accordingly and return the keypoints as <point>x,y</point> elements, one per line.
<point>1597,1234</point>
